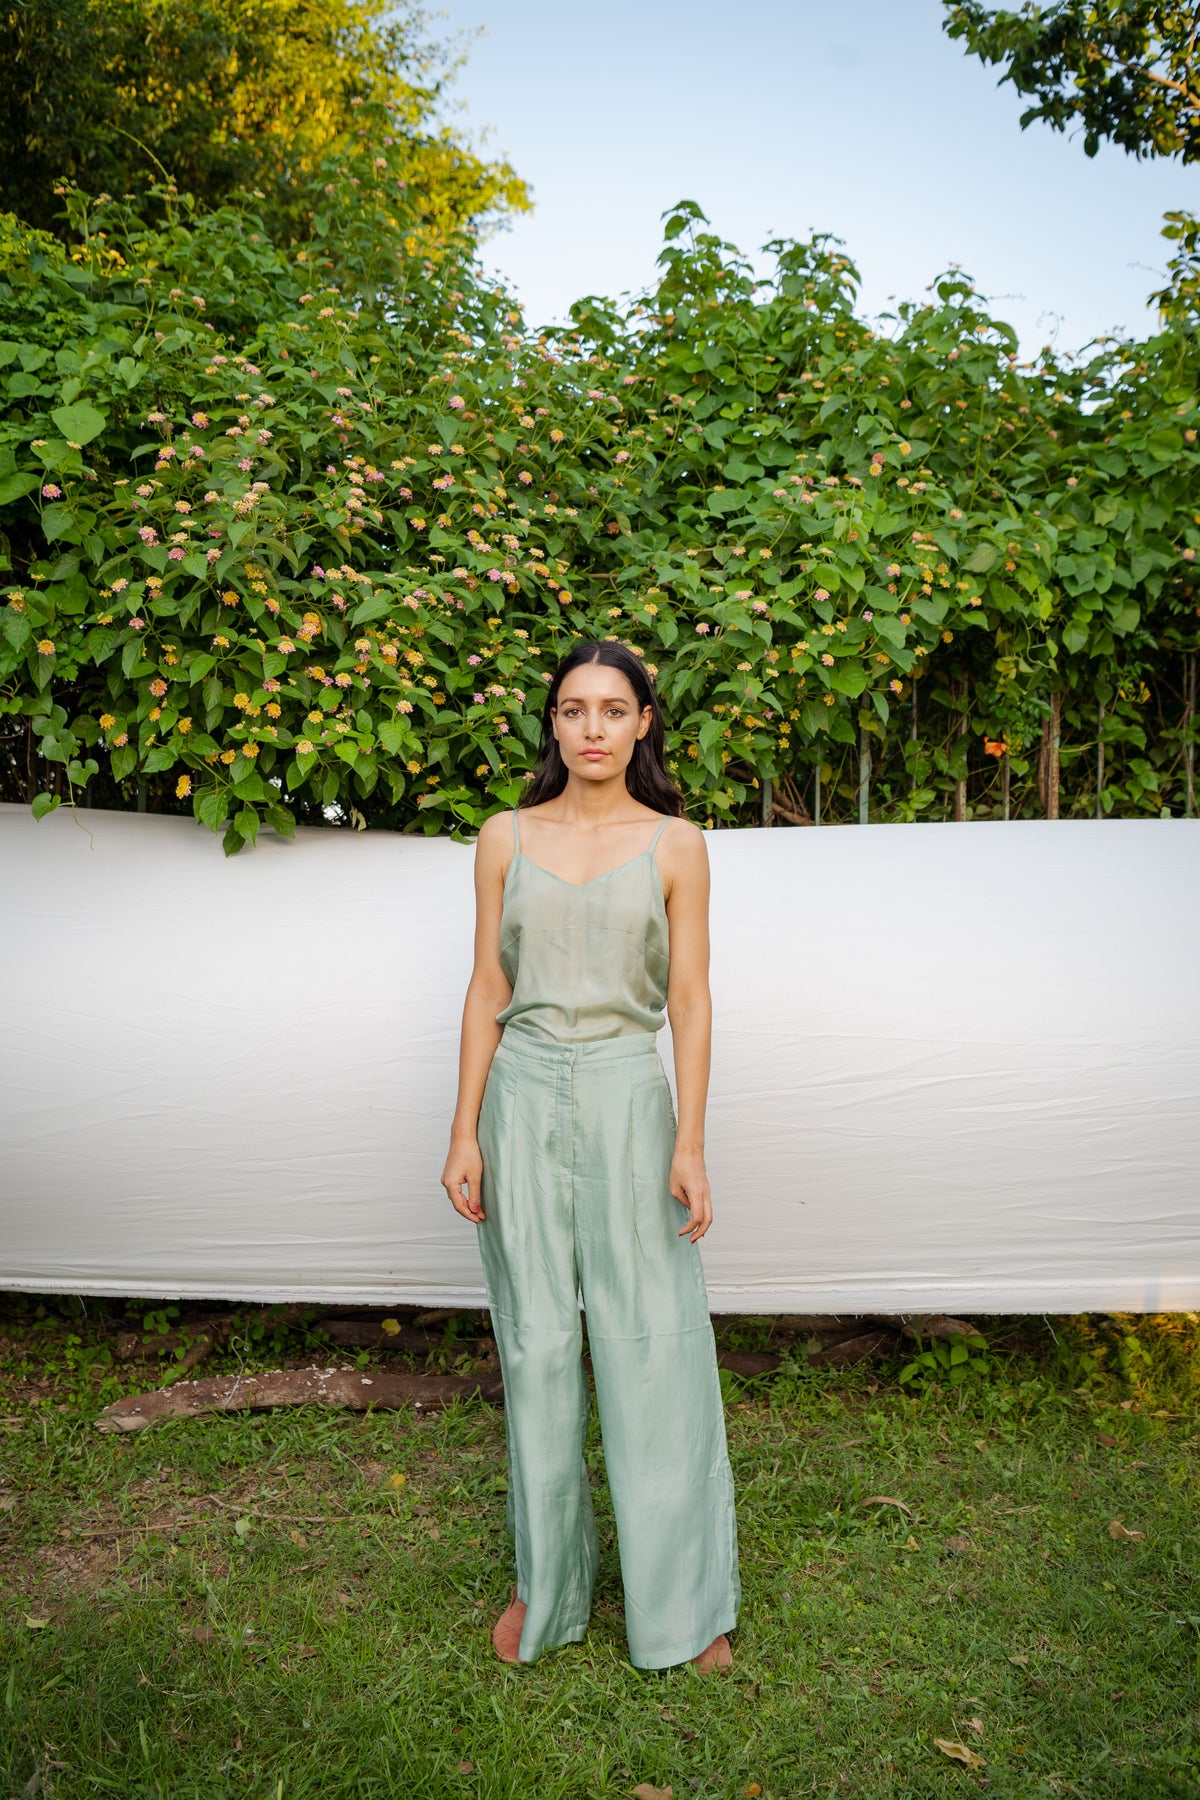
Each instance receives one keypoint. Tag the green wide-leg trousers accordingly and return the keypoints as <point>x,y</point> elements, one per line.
<point>576,1141</point>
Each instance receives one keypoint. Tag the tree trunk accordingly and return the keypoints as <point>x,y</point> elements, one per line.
<point>1189,747</point>
<point>1048,757</point>
<point>960,787</point>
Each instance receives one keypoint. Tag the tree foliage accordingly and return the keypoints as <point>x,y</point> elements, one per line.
<point>301,527</point>
<point>1126,69</point>
<point>223,95</point>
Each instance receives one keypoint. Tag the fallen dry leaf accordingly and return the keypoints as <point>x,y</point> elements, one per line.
<point>1122,1532</point>
<point>1102,1437</point>
<point>645,1790</point>
<point>201,1634</point>
<point>960,1753</point>
<point>910,1543</point>
<point>886,1500</point>
<point>976,1725</point>
<point>1018,1656</point>
<point>464,1768</point>
<point>391,1326</point>
<point>36,1624</point>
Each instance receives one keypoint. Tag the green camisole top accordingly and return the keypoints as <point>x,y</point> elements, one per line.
<point>585,959</point>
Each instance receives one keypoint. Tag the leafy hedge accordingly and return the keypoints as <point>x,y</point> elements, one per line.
<point>290,530</point>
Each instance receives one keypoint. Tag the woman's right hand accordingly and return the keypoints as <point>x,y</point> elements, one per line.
<point>464,1167</point>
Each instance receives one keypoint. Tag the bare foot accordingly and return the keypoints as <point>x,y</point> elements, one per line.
<point>506,1633</point>
<point>717,1656</point>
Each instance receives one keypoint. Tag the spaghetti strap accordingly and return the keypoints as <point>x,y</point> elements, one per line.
<point>660,830</point>
<point>516,832</point>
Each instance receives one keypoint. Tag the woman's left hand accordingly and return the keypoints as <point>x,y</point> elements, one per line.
<point>689,1185</point>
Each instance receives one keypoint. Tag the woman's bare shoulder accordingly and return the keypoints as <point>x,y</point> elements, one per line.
<point>494,844</point>
<point>684,861</point>
<point>496,828</point>
<point>685,837</point>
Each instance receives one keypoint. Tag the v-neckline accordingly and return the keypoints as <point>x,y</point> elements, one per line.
<point>592,879</point>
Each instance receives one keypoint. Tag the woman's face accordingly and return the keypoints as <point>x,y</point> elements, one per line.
<point>597,722</point>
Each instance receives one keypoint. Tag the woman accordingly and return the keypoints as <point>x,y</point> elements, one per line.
<point>591,916</point>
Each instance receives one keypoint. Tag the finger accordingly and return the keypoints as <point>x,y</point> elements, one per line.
<point>464,1204</point>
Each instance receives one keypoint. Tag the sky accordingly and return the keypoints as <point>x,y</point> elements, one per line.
<point>856,117</point>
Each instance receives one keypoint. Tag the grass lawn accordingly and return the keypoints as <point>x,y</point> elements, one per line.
<point>297,1605</point>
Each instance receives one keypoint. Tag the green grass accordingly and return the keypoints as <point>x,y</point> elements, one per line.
<point>252,1651</point>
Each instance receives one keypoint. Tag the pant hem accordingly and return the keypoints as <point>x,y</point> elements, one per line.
<point>575,1636</point>
<point>671,1660</point>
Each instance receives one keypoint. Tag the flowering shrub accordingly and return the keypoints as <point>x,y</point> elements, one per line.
<point>299,529</point>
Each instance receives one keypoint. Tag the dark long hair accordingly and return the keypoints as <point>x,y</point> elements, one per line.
<point>646,776</point>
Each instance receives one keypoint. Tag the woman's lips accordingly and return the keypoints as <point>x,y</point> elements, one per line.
<point>595,755</point>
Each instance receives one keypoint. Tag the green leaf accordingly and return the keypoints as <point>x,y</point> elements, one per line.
<point>58,522</point>
<point>211,806</point>
<point>375,606</point>
<point>12,487</point>
<point>79,423</point>
<point>394,737</point>
<point>848,678</point>
<point>981,559</point>
<point>18,629</point>
<point>246,778</point>
<point>43,804</point>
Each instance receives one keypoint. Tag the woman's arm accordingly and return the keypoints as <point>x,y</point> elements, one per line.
<point>689,1008</point>
<point>488,991</point>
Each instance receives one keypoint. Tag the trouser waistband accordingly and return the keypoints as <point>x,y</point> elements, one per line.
<point>608,1049</point>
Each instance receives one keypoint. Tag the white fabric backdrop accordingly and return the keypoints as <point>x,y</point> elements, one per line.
<point>953,1066</point>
